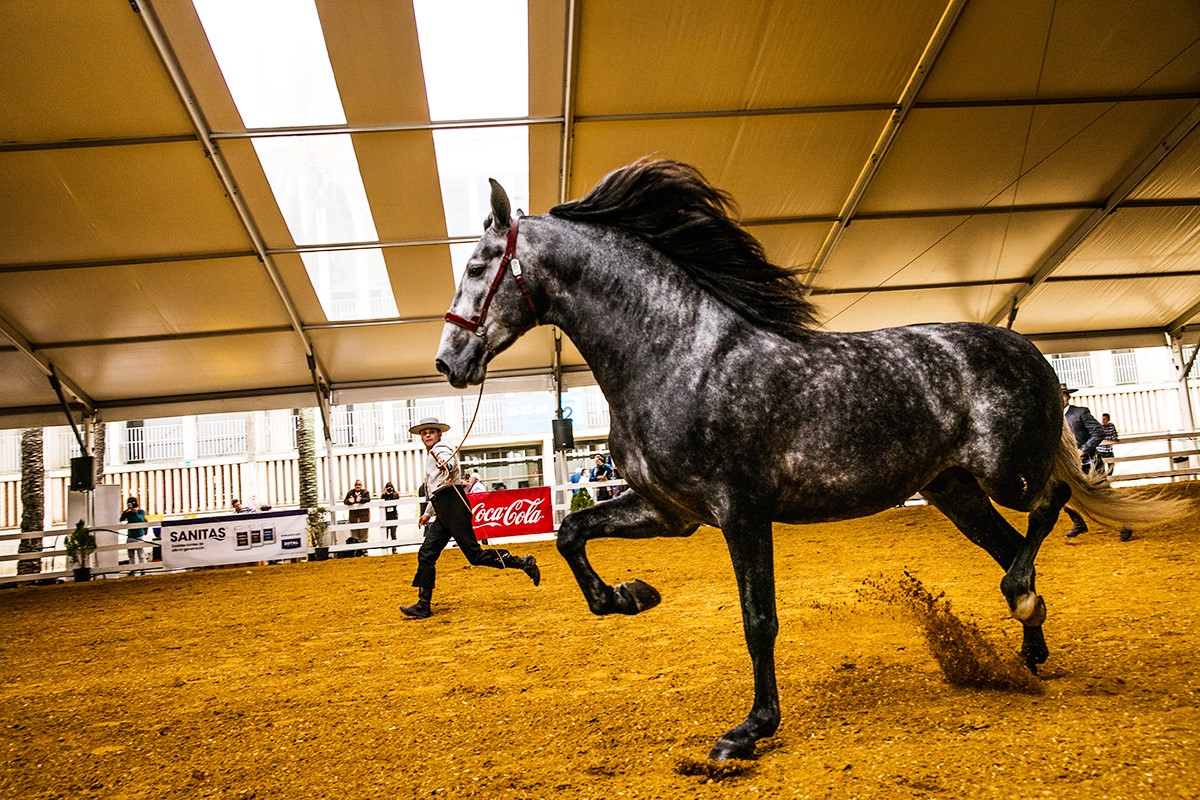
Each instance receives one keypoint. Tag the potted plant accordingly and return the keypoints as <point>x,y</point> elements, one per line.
<point>318,526</point>
<point>581,499</point>
<point>80,544</point>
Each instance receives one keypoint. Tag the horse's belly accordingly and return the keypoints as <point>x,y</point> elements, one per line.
<point>833,506</point>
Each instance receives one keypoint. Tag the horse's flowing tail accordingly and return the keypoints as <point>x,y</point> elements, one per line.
<point>1094,498</point>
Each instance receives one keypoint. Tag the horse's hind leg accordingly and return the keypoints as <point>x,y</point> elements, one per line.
<point>1018,581</point>
<point>752,551</point>
<point>959,496</point>
<point>628,517</point>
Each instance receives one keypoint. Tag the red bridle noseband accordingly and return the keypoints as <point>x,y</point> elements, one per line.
<point>474,325</point>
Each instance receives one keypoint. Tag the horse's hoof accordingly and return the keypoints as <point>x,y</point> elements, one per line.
<point>725,749</point>
<point>1030,609</point>
<point>1034,656</point>
<point>1033,649</point>
<point>636,596</point>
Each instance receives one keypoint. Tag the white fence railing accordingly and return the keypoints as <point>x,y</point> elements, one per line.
<point>1138,459</point>
<point>1124,367</point>
<point>382,536</point>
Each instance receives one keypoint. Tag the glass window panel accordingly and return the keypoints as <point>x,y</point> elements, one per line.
<point>318,186</point>
<point>351,284</point>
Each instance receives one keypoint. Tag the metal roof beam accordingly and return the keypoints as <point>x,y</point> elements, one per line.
<point>916,287</point>
<point>45,366</point>
<point>1176,326</point>
<point>381,245</point>
<point>858,108</point>
<point>48,266</point>
<point>887,137</point>
<point>1161,149</point>
<point>107,141</point>
<point>569,119</point>
<point>570,77</point>
<point>183,336</point>
<point>398,127</point>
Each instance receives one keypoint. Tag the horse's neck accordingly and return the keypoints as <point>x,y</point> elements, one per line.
<point>622,303</point>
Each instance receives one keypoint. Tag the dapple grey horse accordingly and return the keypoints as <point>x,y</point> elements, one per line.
<point>728,408</point>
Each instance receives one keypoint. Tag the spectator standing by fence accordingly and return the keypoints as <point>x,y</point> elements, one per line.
<point>134,513</point>
<point>601,472</point>
<point>390,512</point>
<point>1105,449</point>
<point>358,496</point>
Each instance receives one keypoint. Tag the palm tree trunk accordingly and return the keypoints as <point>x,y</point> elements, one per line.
<point>33,497</point>
<point>98,451</point>
<point>306,453</point>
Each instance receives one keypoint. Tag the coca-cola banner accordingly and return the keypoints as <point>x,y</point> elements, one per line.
<point>511,512</point>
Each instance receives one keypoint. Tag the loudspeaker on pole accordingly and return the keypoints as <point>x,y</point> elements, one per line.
<point>564,435</point>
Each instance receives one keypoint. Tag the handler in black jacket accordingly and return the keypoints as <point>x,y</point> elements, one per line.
<point>1088,433</point>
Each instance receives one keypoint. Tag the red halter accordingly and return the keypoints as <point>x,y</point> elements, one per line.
<point>474,324</point>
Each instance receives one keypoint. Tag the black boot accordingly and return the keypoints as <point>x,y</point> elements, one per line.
<point>420,609</point>
<point>1079,525</point>
<point>529,564</point>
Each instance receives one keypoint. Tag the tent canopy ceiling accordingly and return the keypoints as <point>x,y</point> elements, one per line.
<point>992,155</point>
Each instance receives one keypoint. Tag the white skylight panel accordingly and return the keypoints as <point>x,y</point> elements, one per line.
<point>457,89</point>
<point>475,54</point>
<point>272,54</point>
<point>466,159</point>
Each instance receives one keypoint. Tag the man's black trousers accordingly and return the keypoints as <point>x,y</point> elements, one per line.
<point>453,521</point>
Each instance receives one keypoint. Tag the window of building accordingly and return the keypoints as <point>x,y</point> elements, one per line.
<point>1124,367</point>
<point>156,440</point>
<point>512,467</point>
<point>1073,369</point>
<point>219,435</point>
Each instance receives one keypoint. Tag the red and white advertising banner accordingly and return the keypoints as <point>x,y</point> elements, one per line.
<point>511,512</point>
<point>234,539</point>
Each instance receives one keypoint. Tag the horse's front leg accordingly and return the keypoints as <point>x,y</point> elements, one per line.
<point>752,550</point>
<point>628,517</point>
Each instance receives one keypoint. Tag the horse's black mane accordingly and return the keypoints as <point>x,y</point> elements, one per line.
<point>670,206</point>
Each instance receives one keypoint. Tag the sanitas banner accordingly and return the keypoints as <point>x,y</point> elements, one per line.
<point>235,539</point>
<point>511,512</point>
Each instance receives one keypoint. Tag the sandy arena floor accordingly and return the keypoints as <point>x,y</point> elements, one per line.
<point>299,681</point>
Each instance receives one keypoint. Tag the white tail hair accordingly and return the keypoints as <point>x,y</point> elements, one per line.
<point>1094,498</point>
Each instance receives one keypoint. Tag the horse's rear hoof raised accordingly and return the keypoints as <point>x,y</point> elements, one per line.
<point>636,596</point>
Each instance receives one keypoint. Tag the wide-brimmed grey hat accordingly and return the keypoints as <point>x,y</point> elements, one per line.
<point>1065,390</point>
<point>429,422</point>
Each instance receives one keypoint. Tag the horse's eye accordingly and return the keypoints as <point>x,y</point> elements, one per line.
<point>476,270</point>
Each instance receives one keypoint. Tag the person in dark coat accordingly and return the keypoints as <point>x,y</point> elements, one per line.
<point>390,512</point>
<point>358,496</point>
<point>1088,434</point>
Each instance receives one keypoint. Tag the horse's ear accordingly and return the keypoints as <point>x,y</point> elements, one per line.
<point>501,213</point>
